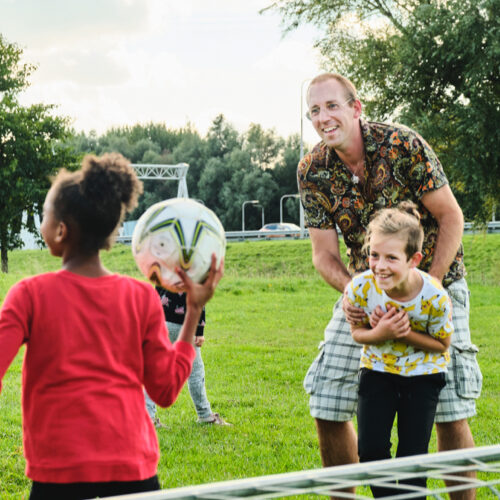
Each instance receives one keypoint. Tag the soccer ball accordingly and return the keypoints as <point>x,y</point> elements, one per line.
<point>177,232</point>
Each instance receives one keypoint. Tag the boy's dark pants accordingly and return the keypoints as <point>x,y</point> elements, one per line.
<point>381,397</point>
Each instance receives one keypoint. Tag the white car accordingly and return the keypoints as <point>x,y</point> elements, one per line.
<point>271,228</point>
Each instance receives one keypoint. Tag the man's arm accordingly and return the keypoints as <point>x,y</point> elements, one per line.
<point>444,208</point>
<point>326,258</point>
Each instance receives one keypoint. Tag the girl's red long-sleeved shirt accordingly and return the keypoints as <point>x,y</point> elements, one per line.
<point>91,346</point>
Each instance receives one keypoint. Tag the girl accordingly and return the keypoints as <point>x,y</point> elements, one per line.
<point>93,340</point>
<point>405,340</point>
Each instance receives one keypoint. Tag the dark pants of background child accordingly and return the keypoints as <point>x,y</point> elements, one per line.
<point>381,397</point>
<point>81,491</point>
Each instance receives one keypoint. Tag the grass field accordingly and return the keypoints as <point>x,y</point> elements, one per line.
<point>263,328</point>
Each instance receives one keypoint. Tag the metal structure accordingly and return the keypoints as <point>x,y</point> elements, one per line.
<point>167,172</point>
<point>302,116</point>
<point>491,227</point>
<point>250,202</point>
<point>332,480</point>
<point>281,203</point>
<point>302,224</point>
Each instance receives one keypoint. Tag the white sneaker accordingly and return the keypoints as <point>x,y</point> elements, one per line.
<point>158,424</point>
<point>214,418</point>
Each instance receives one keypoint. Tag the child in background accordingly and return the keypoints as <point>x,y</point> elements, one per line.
<point>93,340</point>
<point>174,308</point>
<point>404,354</point>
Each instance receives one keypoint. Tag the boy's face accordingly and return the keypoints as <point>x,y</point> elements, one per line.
<point>390,264</point>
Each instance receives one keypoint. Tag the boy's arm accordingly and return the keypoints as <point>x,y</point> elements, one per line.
<point>394,325</point>
<point>439,329</point>
<point>427,342</point>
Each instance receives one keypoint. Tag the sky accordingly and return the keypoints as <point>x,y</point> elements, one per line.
<point>108,63</point>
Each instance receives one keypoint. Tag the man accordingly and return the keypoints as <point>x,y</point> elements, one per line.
<point>358,168</point>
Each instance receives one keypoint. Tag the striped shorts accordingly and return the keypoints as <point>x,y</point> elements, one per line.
<point>332,379</point>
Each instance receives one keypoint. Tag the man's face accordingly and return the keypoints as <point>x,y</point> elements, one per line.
<point>334,117</point>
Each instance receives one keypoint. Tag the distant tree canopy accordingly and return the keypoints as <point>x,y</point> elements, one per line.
<point>433,65</point>
<point>226,168</point>
<point>30,151</point>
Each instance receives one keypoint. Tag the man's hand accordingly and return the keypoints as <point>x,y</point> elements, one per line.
<point>354,315</point>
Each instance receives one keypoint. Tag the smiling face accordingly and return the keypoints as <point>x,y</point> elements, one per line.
<point>334,115</point>
<point>390,265</point>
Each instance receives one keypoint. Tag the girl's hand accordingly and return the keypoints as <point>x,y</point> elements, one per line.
<point>376,316</point>
<point>197,295</point>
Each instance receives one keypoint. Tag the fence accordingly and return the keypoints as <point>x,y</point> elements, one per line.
<point>128,228</point>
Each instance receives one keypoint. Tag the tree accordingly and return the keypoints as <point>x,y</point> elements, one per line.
<point>222,137</point>
<point>115,143</point>
<point>225,168</point>
<point>246,184</point>
<point>30,151</point>
<point>82,144</point>
<point>284,174</point>
<point>192,150</point>
<point>432,65</point>
<point>215,174</point>
<point>263,145</point>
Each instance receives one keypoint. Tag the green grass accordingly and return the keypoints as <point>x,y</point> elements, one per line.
<point>263,328</point>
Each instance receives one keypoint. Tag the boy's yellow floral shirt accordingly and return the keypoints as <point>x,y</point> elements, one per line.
<point>429,313</point>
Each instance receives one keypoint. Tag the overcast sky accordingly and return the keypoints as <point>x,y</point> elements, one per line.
<point>121,62</point>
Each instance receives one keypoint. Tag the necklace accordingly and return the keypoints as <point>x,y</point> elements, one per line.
<point>360,166</point>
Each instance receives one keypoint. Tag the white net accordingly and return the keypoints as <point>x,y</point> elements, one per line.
<point>437,467</point>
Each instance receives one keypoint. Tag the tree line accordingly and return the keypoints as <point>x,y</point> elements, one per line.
<point>226,168</point>
<point>432,65</point>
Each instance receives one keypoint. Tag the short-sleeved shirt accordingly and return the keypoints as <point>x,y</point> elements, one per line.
<point>429,314</point>
<point>399,166</point>
<point>174,308</point>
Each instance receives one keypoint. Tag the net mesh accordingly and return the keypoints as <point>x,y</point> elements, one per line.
<point>484,462</point>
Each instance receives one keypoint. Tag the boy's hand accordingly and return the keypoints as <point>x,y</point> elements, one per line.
<point>376,316</point>
<point>395,324</point>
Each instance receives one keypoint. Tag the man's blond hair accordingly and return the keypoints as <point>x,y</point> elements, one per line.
<point>351,93</point>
